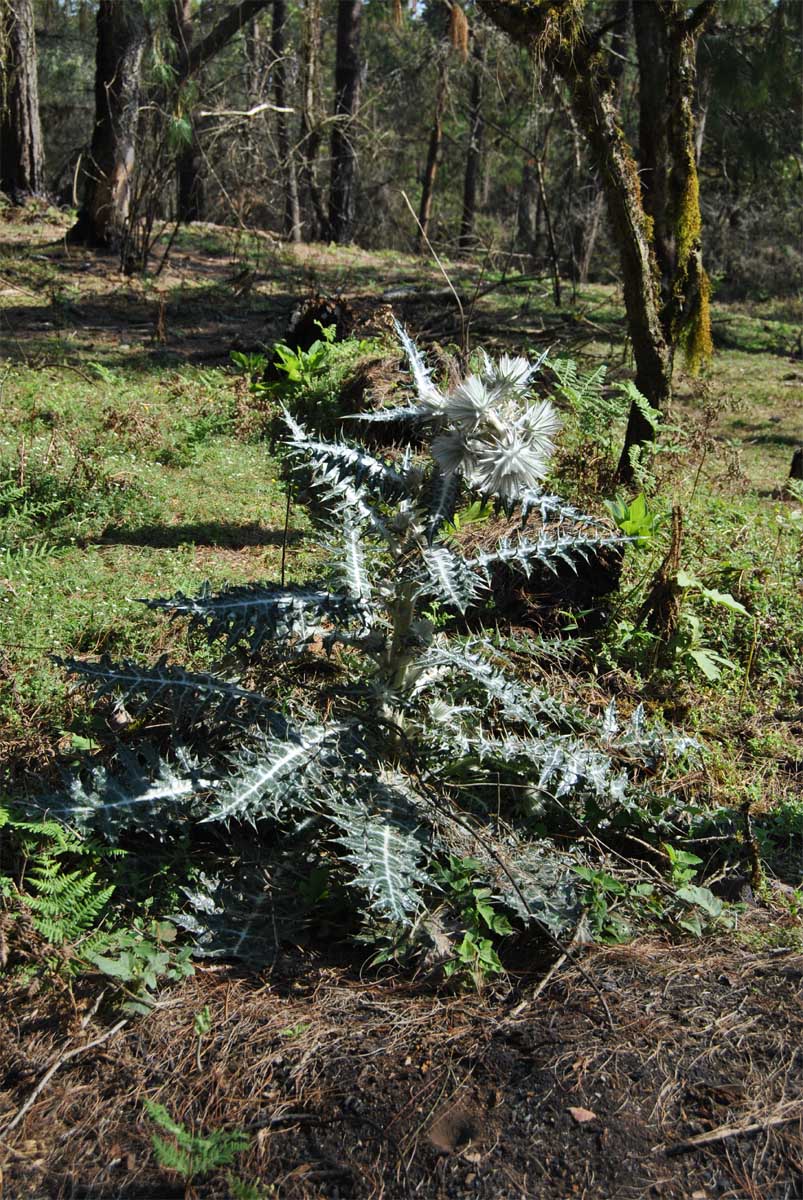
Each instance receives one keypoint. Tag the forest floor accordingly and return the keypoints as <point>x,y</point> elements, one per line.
<point>659,1068</point>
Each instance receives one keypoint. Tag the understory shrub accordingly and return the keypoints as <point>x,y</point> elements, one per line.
<point>357,747</point>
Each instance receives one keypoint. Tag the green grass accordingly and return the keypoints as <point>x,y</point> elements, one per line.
<point>112,489</point>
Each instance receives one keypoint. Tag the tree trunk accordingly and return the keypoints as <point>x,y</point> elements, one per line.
<point>342,189</point>
<point>292,213</point>
<point>574,54</point>
<point>553,249</point>
<point>433,155</point>
<point>590,232</point>
<point>528,216</point>
<point>310,129</point>
<point>122,34</point>
<point>22,166</point>
<point>190,188</point>
<point>254,62</point>
<point>474,153</point>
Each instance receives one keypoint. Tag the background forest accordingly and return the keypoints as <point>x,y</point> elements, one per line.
<point>433,102</point>
<point>401,623</point>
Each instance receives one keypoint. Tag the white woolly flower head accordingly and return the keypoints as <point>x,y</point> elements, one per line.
<point>506,467</point>
<point>539,423</point>
<point>470,403</point>
<point>487,431</point>
<point>510,374</point>
<point>498,441</point>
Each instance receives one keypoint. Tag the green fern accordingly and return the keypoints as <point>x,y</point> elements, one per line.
<point>65,903</point>
<point>190,1155</point>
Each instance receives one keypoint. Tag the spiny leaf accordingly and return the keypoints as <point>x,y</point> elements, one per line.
<point>255,613</point>
<point>451,579</point>
<point>550,550</point>
<point>139,790</point>
<point>190,697</point>
<point>264,777</point>
<point>338,462</point>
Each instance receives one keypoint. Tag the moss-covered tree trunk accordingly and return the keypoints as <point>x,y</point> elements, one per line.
<point>665,291</point>
<point>22,164</point>
<point>667,49</point>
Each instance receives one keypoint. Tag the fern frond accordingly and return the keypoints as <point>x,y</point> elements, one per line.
<point>64,904</point>
<point>255,614</point>
<point>576,389</point>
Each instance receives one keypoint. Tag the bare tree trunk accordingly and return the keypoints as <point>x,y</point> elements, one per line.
<point>553,249</point>
<point>474,153</point>
<point>590,233</point>
<point>433,154</point>
<point>310,131</point>
<point>342,188</point>
<point>528,215</point>
<point>254,61</point>
<point>191,191</point>
<point>122,34</point>
<point>22,164</point>
<point>292,212</point>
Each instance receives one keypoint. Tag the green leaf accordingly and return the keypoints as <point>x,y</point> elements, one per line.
<point>682,858</point>
<point>706,663</point>
<point>725,600</point>
<point>701,897</point>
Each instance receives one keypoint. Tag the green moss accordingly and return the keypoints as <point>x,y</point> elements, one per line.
<point>689,221</point>
<point>693,323</point>
<point>698,345</point>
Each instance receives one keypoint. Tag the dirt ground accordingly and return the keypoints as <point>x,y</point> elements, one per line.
<point>641,1071</point>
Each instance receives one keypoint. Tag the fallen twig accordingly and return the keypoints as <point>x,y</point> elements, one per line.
<point>780,1116</point>
<point>51,1071</point>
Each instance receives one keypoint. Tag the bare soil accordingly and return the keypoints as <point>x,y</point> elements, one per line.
<point>595,1088</point>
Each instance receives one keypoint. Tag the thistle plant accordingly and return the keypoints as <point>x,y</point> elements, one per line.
<point>425,748</point>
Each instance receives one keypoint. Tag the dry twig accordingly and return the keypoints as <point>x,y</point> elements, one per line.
<point>780,1116</point>
<point>51,1071</point>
